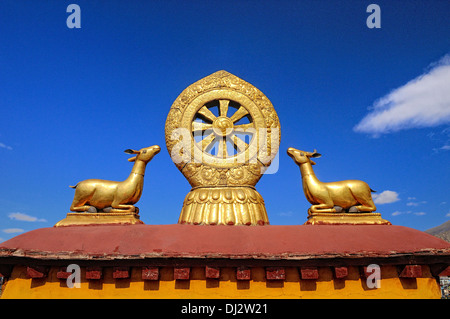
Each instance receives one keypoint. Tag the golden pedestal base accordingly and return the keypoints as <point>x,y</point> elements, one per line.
<point>232,205</point>
<point>78,219</point>
<point>345,219</point>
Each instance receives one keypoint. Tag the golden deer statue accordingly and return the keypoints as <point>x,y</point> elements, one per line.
<point>331,197</point>
<point>114,197</point>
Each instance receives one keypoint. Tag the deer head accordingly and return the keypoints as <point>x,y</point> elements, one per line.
<point>302,157</point>
<point>145,154</point>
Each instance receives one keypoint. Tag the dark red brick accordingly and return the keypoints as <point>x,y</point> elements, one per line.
<point>121,272</point>
<point>150,273</point>
<point>94,273</point>
<point>309,273</point>
<point>63,273</point>
<point>275,273</point>
<point>181,273</point>
<point>37,272</point>
<point>411,271</point>
<point>340,272</point>
<point>243,273</point>
<point>212,272</point>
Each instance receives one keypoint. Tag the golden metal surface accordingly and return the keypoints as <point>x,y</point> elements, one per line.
<point>99,218</point>
<point>222,132</point>
<point>120,196</point>
<point>335,202</point>
<point>113,200</point>
<point>224,206</point>
<point>345,219</point>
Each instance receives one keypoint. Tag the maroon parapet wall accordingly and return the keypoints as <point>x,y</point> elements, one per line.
<point>302,242</point>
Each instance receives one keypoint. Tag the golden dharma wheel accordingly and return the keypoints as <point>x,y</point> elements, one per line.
<point>222,133</point>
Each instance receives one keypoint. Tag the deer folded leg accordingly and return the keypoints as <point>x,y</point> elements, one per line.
<point>323,208</point>
<point>83,195</point>
<point>367,204</point>
<point>82,208</point>
<point>79,203</point>
<point>122,208</point>
<point>366,208</point>
<point>364,197</point>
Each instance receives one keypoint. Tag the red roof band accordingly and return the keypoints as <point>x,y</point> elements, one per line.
<point>298,242</point>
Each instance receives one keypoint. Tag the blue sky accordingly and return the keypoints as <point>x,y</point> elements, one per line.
<point>374,102</point>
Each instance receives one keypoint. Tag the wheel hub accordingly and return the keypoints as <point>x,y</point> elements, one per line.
<point>222,126</point>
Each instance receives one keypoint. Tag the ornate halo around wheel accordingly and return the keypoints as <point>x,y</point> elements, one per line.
<point>222,122</point>
<point>222,133</point>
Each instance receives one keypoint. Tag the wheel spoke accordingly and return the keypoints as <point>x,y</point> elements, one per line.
<point>207,141</point>
<point>240,144</point>
<point>240,113</point>
<point>222,150</point>
<point>210,135</point>
<point>204,111</point>
<point>198,126</point>
<point>244,128</point>
<point>224,107</point>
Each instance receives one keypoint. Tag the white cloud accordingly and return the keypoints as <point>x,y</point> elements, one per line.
<point>445,147</point>
<point>416,203</point>
<point>13,230</point>
<point>385,197</point>
<point>25,217</point>
<point>412,204</point>
<point>396,213</point>
<point>422,102</point>
<point>420,214</point>
<point>442,138</point>
<point>5,146</point>
<point>286,214</point>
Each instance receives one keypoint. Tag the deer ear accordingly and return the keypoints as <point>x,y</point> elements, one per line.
<point>316,154</point>
<point>130,151</point>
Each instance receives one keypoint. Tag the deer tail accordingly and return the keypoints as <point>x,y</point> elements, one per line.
<point>372,191</point>
<point>74,186</point>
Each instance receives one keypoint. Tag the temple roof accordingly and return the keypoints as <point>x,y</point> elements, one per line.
<point>293,243</point>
